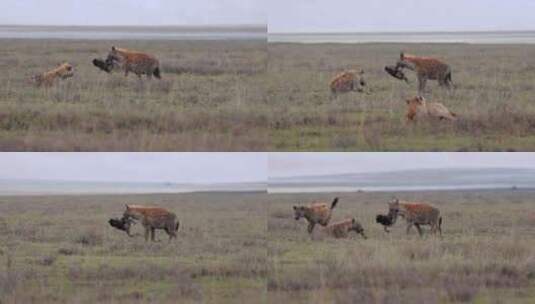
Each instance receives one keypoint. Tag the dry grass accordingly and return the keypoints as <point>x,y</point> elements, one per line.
<point>487,253</point>
<point>493,97</point>
<point>210,98</point>
<point>60,249</point>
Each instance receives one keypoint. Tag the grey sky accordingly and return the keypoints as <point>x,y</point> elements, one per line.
<point>132,12</point>
<point>396,15</point>
<point>136,167</point>
<point>299,164</point>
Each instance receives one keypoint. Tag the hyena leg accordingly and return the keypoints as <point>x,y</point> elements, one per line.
<point>422,81</point>
<point>409,225</point>
<point>310,227</point>
<point>153,234</point>
<point>419,229</point>
<point>147,230</point>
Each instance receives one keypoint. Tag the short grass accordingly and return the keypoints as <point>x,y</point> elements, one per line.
<point>494,97</point>
<point>60,249</point>
<point>210,98</point>
<point>486,255</point>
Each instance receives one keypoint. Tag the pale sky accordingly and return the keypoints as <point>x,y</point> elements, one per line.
<point>399,15</point>
<point>132,12</point>
<point>136,167</point>
<point>303,164</point>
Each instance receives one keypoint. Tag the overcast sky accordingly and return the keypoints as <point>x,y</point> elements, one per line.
<point>136,167</point>
<point>399,15</point>
<point>132,12</point>
<point>302,164</point>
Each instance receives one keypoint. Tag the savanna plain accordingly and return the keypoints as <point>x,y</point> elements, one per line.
<point>209,98</point>
<point>486,253</point>
<point>60,249</point>
<point>494,98</point>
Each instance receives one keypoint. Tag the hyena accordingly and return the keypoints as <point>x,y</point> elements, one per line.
<point>153,218</point>
<point>341,229</point>
<point>419,107</point>
<point>426,68</point>
<point>348,81</point>
<point>416,214</point>
<point>62,71</point>
<point>133,61</point>
<point>316,213</point>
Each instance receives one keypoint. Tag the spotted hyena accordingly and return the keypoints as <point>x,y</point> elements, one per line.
<point>426,68</point>
<point>342,229</point>
<point>153,218</point>
<point>347,81</point>
<point>316,213</point>
<point>416,214</point>
<point>418,107</point>
<point>47,79</point>
<point>133,61</point>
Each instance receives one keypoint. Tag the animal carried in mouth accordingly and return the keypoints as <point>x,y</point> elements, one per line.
<point>122,224</point>
<point>396,72</point>
<point>385,220</point>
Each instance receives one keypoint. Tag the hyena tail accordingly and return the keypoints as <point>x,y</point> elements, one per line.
<point>333,204</point>
<point>156,73</point>
<point>449,81</point>
<point>176,226</point>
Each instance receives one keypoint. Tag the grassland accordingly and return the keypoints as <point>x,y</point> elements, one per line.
<point>486,255</point>
<point>60,249</point>
<point>210,98</point>
<point>494,97</point>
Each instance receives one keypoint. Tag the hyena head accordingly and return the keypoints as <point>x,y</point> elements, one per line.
<point>131,213</point>
<point>299,212</point>
<point>414,105</point>
<point>393,209</point>
<point>113,56</point>
<point>404,63</point>
<point>357,227</point>
<point>65,70</point>
<point>359,83</point>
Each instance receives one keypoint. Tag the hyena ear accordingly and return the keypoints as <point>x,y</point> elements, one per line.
<point>408,101</point>
<point>402,55</point>
<point>295,207</point>
<point>353,220</point>
<point>420,99</point>
<point>113,48</point>
<point>127,207</point>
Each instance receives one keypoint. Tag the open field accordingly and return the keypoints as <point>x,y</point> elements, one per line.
<point>495,99</point>
<point>60,249</point>
<point>210,98</point>
<point>487,254</point>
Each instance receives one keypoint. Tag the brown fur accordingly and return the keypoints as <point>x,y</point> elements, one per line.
<point>136,62</point>
<point>153,218</point>
<point>347,81</point>
<point>316,213</point>
<point>47,79</point>
<point>416,214</point>
<point>418,107</point>
<point>341,229</point>
<point>426,68</point>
